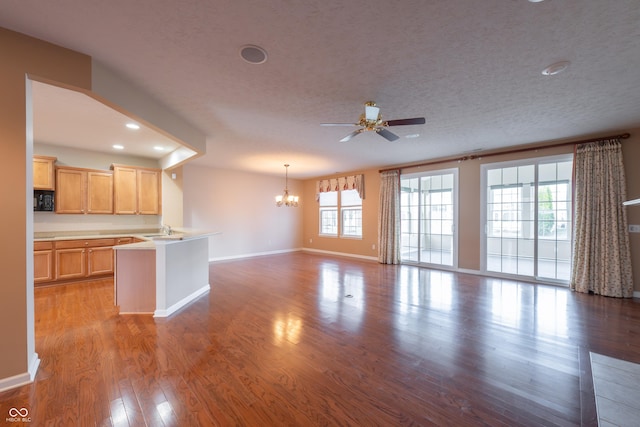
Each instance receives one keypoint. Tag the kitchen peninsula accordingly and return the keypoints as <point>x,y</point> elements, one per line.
<point>163,274</point>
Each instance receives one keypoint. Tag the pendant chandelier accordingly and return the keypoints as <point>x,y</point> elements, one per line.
<point>286,199</point>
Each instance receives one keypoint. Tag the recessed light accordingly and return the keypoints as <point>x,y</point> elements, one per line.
<point>555,68</point>
<point>253,54</point>
<point>158,148</point>
<point>413,135</point>
<point>535,1</point>
<point>134,126</point>
<point>118,147</point>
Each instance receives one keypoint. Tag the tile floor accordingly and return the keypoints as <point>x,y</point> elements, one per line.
<point>616,385</point>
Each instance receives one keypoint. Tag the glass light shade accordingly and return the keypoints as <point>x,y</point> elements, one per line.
<point>371,112</point>
<point>285,198</point>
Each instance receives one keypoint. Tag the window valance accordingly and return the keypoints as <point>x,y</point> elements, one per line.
<point>350,182</point>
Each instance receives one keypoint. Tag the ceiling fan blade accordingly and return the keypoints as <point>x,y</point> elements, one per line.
<point>399,122</point>
<point>339,124</point>
<point>351,135</point>
<point>389,136</point>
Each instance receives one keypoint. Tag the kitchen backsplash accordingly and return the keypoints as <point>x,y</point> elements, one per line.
<point>49,221</point>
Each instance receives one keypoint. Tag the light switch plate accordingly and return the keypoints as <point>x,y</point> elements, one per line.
<point>634,228</point>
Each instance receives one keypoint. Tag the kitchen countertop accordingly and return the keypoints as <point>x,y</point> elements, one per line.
<point>149,236</point>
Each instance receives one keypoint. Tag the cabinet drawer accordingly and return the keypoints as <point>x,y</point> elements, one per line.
<point>42,246</point>
<point>84,243</point>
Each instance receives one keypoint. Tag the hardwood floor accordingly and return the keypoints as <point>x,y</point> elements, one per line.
<point>302,339</point>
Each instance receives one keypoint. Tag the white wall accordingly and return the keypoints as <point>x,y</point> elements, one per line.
<point>242,207</point>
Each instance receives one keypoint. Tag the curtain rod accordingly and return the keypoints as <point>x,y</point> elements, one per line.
<point>498,153</point>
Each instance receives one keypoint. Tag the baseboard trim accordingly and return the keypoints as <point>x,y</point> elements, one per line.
<point>21,379</point>
<point>34,364</point>
<point>342,254</point>
<point>253,255</point>
<point>184,301</point>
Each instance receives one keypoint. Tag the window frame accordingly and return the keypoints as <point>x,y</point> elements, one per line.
<point>455,217</point>
<point>485,225</point>
<point>339,210</point>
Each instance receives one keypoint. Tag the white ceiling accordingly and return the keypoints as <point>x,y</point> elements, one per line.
<point>74,119</point>
<point>472,69</point>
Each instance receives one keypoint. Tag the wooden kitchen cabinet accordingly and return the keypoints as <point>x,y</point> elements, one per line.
<point>80,191</point>
<point>137,191</point>
<point>44,173</point>
<point>71,263</point>
<point>43,267</point>
<point>99,261</point>
<point>76,259</point>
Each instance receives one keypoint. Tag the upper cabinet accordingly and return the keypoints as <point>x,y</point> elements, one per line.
<point>128,190</point>
<point>43,172</point>
<point>137,190</point>
<point>83,191</point>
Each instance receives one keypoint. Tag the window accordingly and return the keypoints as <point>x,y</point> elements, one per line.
<point>351,213</point>
<point>329,213</point>
<point>349,204</point>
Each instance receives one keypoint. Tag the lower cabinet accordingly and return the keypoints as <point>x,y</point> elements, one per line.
<point>68,260</point>
<point>43,270</point>
<point>76,259</point>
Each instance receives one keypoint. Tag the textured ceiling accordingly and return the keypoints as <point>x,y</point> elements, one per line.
<point>472,69</point>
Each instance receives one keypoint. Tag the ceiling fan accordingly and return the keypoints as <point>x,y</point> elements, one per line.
<point>371,120</point>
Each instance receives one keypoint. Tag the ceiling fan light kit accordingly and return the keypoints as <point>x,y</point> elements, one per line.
<point>371,120</point>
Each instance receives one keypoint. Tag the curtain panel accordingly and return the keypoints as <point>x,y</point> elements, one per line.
<point>389,218</point>
<point>351,182</point>
<point>601,254</point>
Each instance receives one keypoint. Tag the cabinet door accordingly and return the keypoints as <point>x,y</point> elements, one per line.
<point>148,192</point>
<point>125,190</point>
<point>100,261</point>
<point>99,192</point>
<point>70,191</point>
<point>43,173</point>
<point>42,266</point>
<point>70,263</point>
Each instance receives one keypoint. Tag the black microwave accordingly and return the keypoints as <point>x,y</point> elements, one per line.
<point>43,200</point>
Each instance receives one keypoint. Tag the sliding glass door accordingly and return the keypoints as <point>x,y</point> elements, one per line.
<point>429,218</point>
<point>527,217</point>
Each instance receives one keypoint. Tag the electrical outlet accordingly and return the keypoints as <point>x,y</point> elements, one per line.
<point>634,228</point>
<point>310,240</point>
<point>373,247</point>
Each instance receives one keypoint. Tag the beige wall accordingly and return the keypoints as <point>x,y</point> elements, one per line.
<point>242,207</point>
<point>469,236</point>
<point>23,56</point>
<point>365,247</point>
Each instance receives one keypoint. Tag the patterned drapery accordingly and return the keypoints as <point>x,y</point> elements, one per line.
<point>351,182</point>
<point>601,254</point>
<point>389,218</point>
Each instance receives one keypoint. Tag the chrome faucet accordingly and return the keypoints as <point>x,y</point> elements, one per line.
<point>166,229</point>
